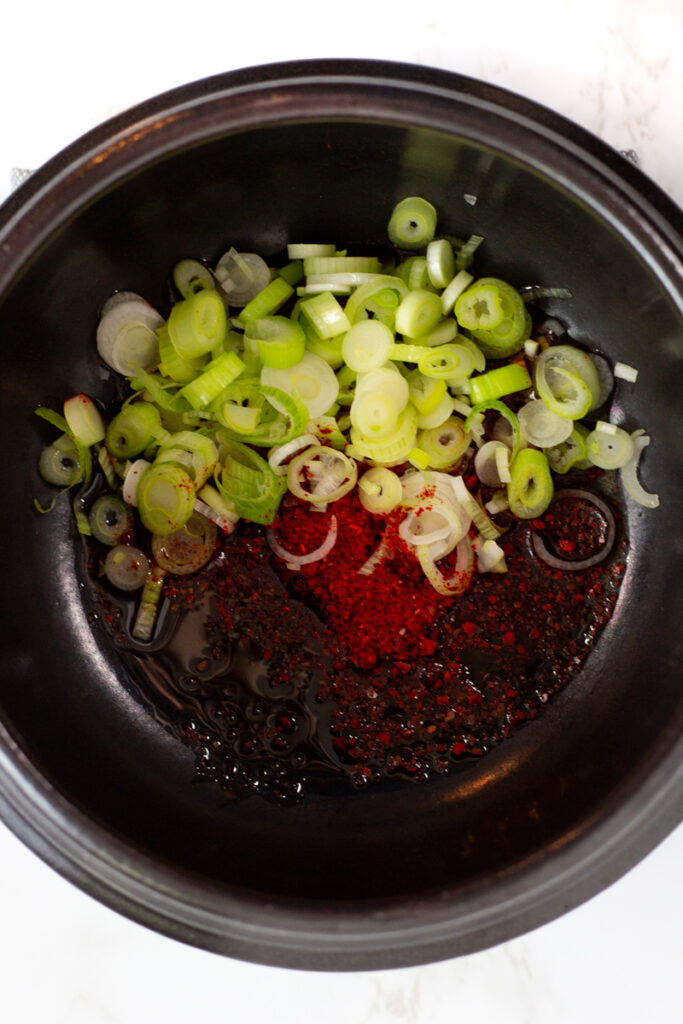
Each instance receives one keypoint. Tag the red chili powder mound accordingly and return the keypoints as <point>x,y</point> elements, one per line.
<point>391,612</point>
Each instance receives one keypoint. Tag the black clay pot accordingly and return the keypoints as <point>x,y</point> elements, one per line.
<point>88,778</point>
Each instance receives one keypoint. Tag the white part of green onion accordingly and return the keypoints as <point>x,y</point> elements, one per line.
<point>629,473</point>
<point>304,251</point>
<point>84,420</point>
<point>366,345</point>
<point>625,372</point>
<point>312,378</point>
<point>277,457</point>
<point>324,286</point>
<point>454,290</point>
<point>126,336</point>
<point>543,427</point>
<point>440,262</point>
<point>134,471</point>
<point>609,448</point>
<point>242,275</point>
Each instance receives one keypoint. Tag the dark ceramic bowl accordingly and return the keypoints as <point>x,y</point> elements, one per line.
<point>88,778</point>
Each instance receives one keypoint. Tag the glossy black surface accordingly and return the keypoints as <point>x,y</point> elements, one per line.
<point>88,778</point>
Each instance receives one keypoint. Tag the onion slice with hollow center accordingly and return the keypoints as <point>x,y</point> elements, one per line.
<point>312,556</point>
<point>629,473</point>
<point>570,565</point>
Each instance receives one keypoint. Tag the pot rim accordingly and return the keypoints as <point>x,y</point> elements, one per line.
<point>649,803</point>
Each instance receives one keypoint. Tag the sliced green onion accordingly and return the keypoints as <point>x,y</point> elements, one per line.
<point>480,307</point>
<point>530,490</point>
<point>418,275</point>
<point>402,353</point>
<point>412,223</point>
<point>325,315</point>
<point>440,262</point>
<point>486,464</point>
<point>292,272</point>
<point>509,336</point>
<point>541,426</point>
<point>366,345</point>
<point>569,453</point>
<point>126,336</point>
<point>609,448</point>
<point>132,430</point>
<point>445,331</point>
<point>188,549</point>
<point>446,361</point>
<point>192,450</point>
<point>392,449</point>
<point>379,298</point>
<point>83,420</point>
<point>327,431</point>
<point>82,450</point>
<point>487,528</point>
<point>197,324</point>
<point>490,555</point>
<point>466,251</point>
<point>213,380</point>
<point>165,497</point>
<point>134,471</point>
<point>173,365</point>
<point>247,482</point>
<point>346,379</point>
<point>146,615</point>
<point>60,466</point>
<point>268,301</point>
<point>320,266</point>
<point>329,349</point>
<point>629,473</point>
<point>418,313</point>
<point>242,275</point>
<point>110,518</point>
<point>494,405</point>
<point>303,251</point>
<point>504,380</point>
<point>313,379</point>
<point>454,290</point>
<point>564,392</point>
<point>425,392</point>
<point>461,578</point>
<point>280,342</point>
<point>110,467</point>
<point>278,455</point>
<point>555,372</point>
<point>225,510</point>
<point>321,474</point>
<point>625,372</point>
<point>380,490</point>
<point>190,276</point>
<point>271,416</point>
<point>438,415</point>
<point>477,354</point>
<point>126,567</point>
<point>444,445</point>
<point>375,412</point>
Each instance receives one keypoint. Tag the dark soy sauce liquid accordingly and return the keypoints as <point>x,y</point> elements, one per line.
<point>244,671</point>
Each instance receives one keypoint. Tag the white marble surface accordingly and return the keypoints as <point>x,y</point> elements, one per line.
<point>613,66</point>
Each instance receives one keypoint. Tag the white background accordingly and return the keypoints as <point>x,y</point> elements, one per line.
<point>615,68</point>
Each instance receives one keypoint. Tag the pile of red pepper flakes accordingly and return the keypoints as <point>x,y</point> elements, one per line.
<point>389,614</point>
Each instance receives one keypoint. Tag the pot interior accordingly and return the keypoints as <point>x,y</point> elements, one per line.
<point>68,695</point>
